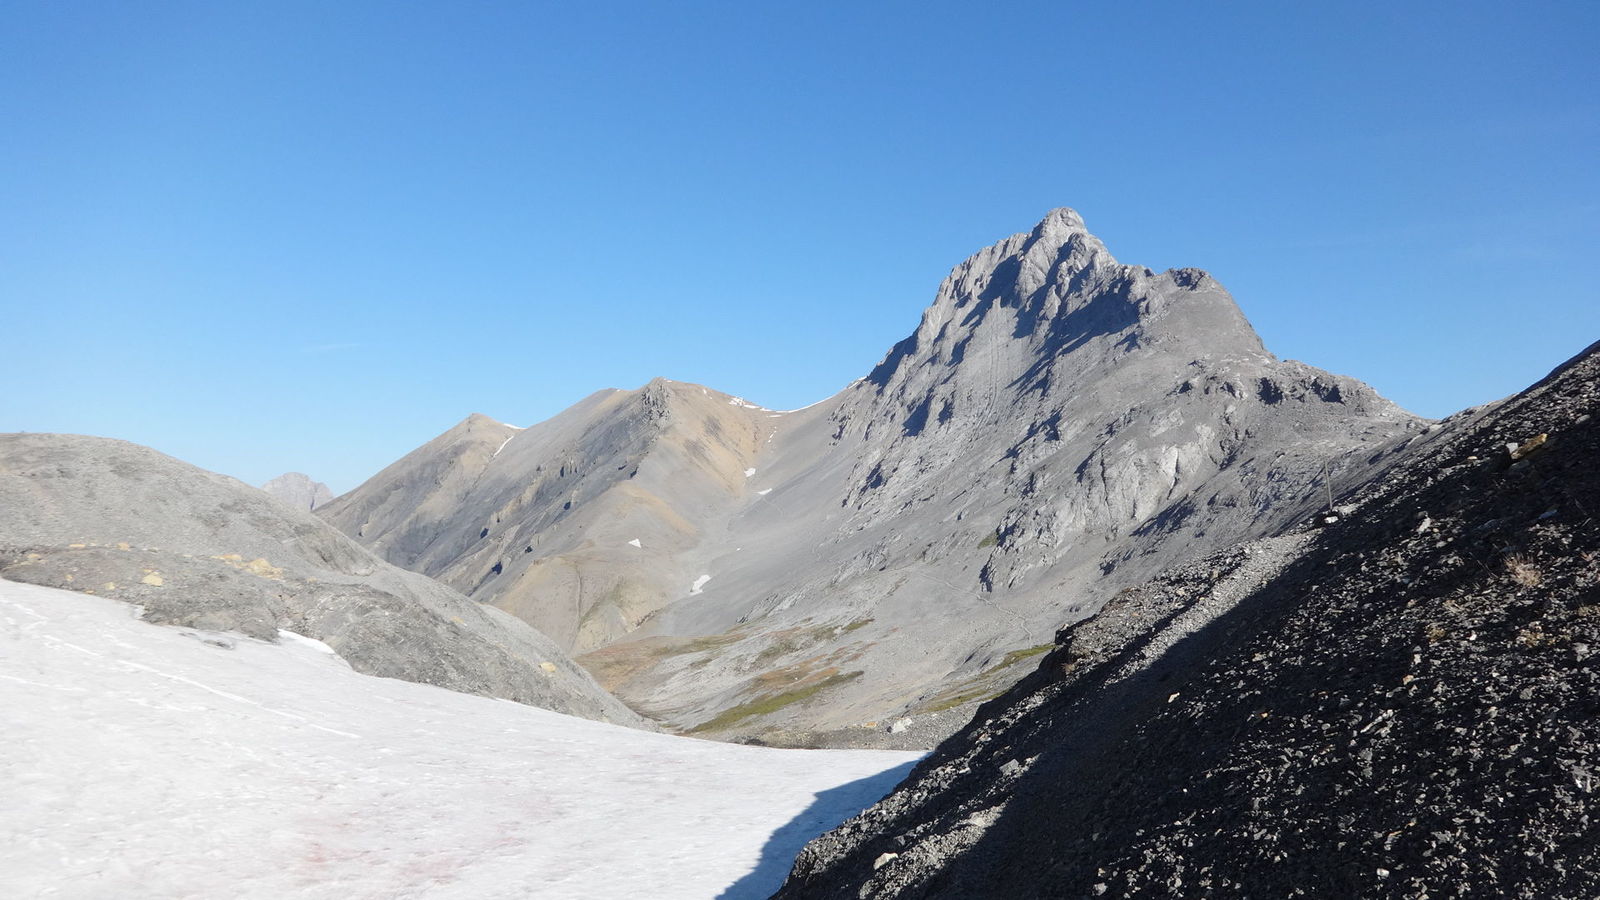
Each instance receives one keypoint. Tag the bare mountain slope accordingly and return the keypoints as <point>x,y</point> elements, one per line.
<point>1060,425</point>
<point>205,551</point>
<point>578,524</point>
<point>1401,704</point>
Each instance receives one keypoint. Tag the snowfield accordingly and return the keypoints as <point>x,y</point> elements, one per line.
<point>145,761</point>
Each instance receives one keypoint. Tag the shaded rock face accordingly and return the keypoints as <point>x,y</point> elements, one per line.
<point>1400,703</point>
<point>298,490</point>
<point>1058,427</point>
<point>204,551</point>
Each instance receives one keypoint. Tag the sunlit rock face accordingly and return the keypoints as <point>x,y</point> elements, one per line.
<point>1059,426</point>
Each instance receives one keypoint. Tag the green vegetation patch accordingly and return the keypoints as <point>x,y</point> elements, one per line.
<point>960,697</point>
<point>984,685</point>
<point>702,644</point>
<point>1017,656</point>
<point>793,640</point>
<point>771,703</point>
<point>989,540</point>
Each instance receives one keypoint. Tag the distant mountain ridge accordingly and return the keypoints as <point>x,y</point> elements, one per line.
<point>298,490</point>
<point>1059,426</point>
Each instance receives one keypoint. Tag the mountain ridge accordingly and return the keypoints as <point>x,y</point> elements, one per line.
<point>1057,420</point>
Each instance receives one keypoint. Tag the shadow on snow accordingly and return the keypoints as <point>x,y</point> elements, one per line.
<point>828,809</point>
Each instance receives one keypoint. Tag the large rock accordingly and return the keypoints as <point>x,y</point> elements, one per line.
<point>202,550</point>
<point>1059,426</point>
<point>1401,703</point>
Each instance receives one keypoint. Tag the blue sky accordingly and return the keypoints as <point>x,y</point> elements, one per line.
<point>311,236</point>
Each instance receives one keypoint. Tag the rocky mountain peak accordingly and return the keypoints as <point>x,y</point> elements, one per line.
<point>1061,238</point>
<point>1056,290</point>
<point>478,422</point>
<point>298,490</point>
<point>1061,218</point>
<point>1059,425</point>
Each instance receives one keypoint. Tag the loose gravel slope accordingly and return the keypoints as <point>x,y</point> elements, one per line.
<point>1405,706</point>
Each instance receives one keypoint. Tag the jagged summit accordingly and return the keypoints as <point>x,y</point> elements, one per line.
<point>1057,290</point>
<point>1061,217</point>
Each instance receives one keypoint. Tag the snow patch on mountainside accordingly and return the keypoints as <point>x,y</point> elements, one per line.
<point>149,761</point>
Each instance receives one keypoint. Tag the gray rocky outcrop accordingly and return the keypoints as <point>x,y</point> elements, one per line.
<point>197,549</point>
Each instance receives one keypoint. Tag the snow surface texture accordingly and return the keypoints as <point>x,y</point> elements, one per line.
<point>147,761</point>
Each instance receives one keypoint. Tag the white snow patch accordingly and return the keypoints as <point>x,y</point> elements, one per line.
<point>763,493</point>
<point>303,641</point>
<point>635,543</point>
<point>742,402</point>
<point>785,412</point>
<point>699,583</point>
<point>749,472</point>
<point>146,764</point>
<point>502,446</point>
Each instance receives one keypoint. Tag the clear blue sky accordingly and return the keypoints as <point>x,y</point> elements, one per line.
<point>275,236</point>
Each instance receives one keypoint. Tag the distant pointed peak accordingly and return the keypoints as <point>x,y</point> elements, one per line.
<point>478,421</point>
<point>1060,219</point>
<point>1062,233</point>
<point>298,490</point>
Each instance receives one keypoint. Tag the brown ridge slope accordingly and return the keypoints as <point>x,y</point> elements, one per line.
<point>1405,703</point>
<point>578,524</point>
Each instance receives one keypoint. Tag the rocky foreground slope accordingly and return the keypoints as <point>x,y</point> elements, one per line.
<point>1403,703</point>
<point>205,551</point>
<point>1059,426</point>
